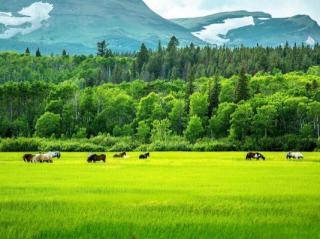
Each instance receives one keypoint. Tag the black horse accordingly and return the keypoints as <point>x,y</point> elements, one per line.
<point>27,158</point>
<point>144,156</point>
<point>120,155</point>
<point>93,158</point>
<point>256,156</point>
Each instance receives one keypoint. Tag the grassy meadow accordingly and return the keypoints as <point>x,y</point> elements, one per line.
<point>171,195</point>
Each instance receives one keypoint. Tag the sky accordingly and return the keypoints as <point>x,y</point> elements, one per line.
<point>193,8</point>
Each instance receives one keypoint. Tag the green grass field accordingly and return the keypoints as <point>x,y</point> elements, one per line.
<point>171,195</point>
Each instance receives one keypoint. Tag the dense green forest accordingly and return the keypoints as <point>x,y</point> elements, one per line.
<point>170,99</point>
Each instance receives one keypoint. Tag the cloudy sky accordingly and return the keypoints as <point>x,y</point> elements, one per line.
<point>278,8</point>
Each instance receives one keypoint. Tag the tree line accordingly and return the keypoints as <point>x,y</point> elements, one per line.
<point>270,111</point>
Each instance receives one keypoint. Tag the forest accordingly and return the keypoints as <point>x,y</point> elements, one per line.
<point>171,99</point>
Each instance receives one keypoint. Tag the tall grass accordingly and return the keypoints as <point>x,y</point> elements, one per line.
<point>171,195</point>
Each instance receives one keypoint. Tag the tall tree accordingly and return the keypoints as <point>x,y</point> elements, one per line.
<point>214,93</point>
<point>142,57</point>
<point>242,89</point>
<point>38,53</point>
<point>27,51</point>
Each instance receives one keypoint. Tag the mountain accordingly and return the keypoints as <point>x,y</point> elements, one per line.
<point>77,25</point>
<point>252,28</point>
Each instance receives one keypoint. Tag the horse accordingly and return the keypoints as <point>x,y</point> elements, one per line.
<point>55,154</point>
<point>120,155</point>
<point>93,158</point>
<point>144,156</point>
<point>295,155</point>
<point>27,158</point>
<point>42,158</point>
<point>256,156</point>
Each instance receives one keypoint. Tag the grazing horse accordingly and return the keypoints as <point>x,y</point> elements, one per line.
<point>144,156</point>
<point>295,155</point>
<point>93,158</point>
<point>42,158</point>
<point>27,158</point>
<point>55,154</point>
<point>256,156</point>
<point>120,155</point>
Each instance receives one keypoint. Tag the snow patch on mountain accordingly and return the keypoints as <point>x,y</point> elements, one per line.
<point>31,18</point>
<point>215,33</point>
<point>310,41</point>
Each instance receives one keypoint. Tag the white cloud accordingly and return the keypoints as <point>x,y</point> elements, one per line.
<point>33,15</point>
<point>191,8</point>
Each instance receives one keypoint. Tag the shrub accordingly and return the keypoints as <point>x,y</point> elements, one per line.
<point>208,145</point>
<point>20,144</point>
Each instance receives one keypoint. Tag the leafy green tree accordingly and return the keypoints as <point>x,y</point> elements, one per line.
<point>241,122</point>
<point>264,122</point>
<point>199,106</point>
<point>220,122</point>
<point>48,124</point>
<point>194,129</point>
<point>178,116</point>
<point>143,132</point>
<point>160,130</point>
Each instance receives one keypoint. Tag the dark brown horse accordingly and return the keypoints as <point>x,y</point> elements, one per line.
<point>93,158</point>
<point>257,156</point>
<point>144,156</point>
<point>27,158</point>
<point>120,155</point>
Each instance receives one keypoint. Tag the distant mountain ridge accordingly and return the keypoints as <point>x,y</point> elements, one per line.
<point>77,25</point>
<point>252,28</point>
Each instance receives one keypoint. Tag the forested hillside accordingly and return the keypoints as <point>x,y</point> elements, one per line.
<point>170,99</point>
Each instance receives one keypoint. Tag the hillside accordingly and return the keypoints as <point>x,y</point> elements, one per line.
<point>78,25</point>
<point>251,28</point>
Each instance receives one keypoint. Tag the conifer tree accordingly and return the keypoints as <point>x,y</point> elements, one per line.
<point>214,93</point>
<point>38,53</point>
<point>27,51</point>
<point>242,90</point>
<point>142,57</point>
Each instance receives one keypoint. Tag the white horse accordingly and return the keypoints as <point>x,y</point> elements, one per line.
<point>295,155</point>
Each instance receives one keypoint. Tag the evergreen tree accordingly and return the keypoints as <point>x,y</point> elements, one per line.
<point>64,53</point>
<point>101,48</point>
<point>38,53</point>
<point>190,88</point>
<point>242,90</point>
<point>173,44</point>
<point>27,52</point>
<point>142,57</point>
<point>214,94</point>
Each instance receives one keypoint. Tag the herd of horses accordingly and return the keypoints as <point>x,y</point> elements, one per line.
<point>258,156</point>
<point>93,158</point>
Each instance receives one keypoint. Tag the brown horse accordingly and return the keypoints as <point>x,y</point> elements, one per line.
<point>27,158</point>
<point>93,158</point>
<point>42,158</point>
<point>256,156</point>
<point>120,155</point>
<point>144,156</point>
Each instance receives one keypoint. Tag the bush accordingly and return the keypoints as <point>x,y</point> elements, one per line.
<point>124,144</point>
<point>208,145</point>
<point>173,144</point>
<point>20,144</point>
<point>71,146</point>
